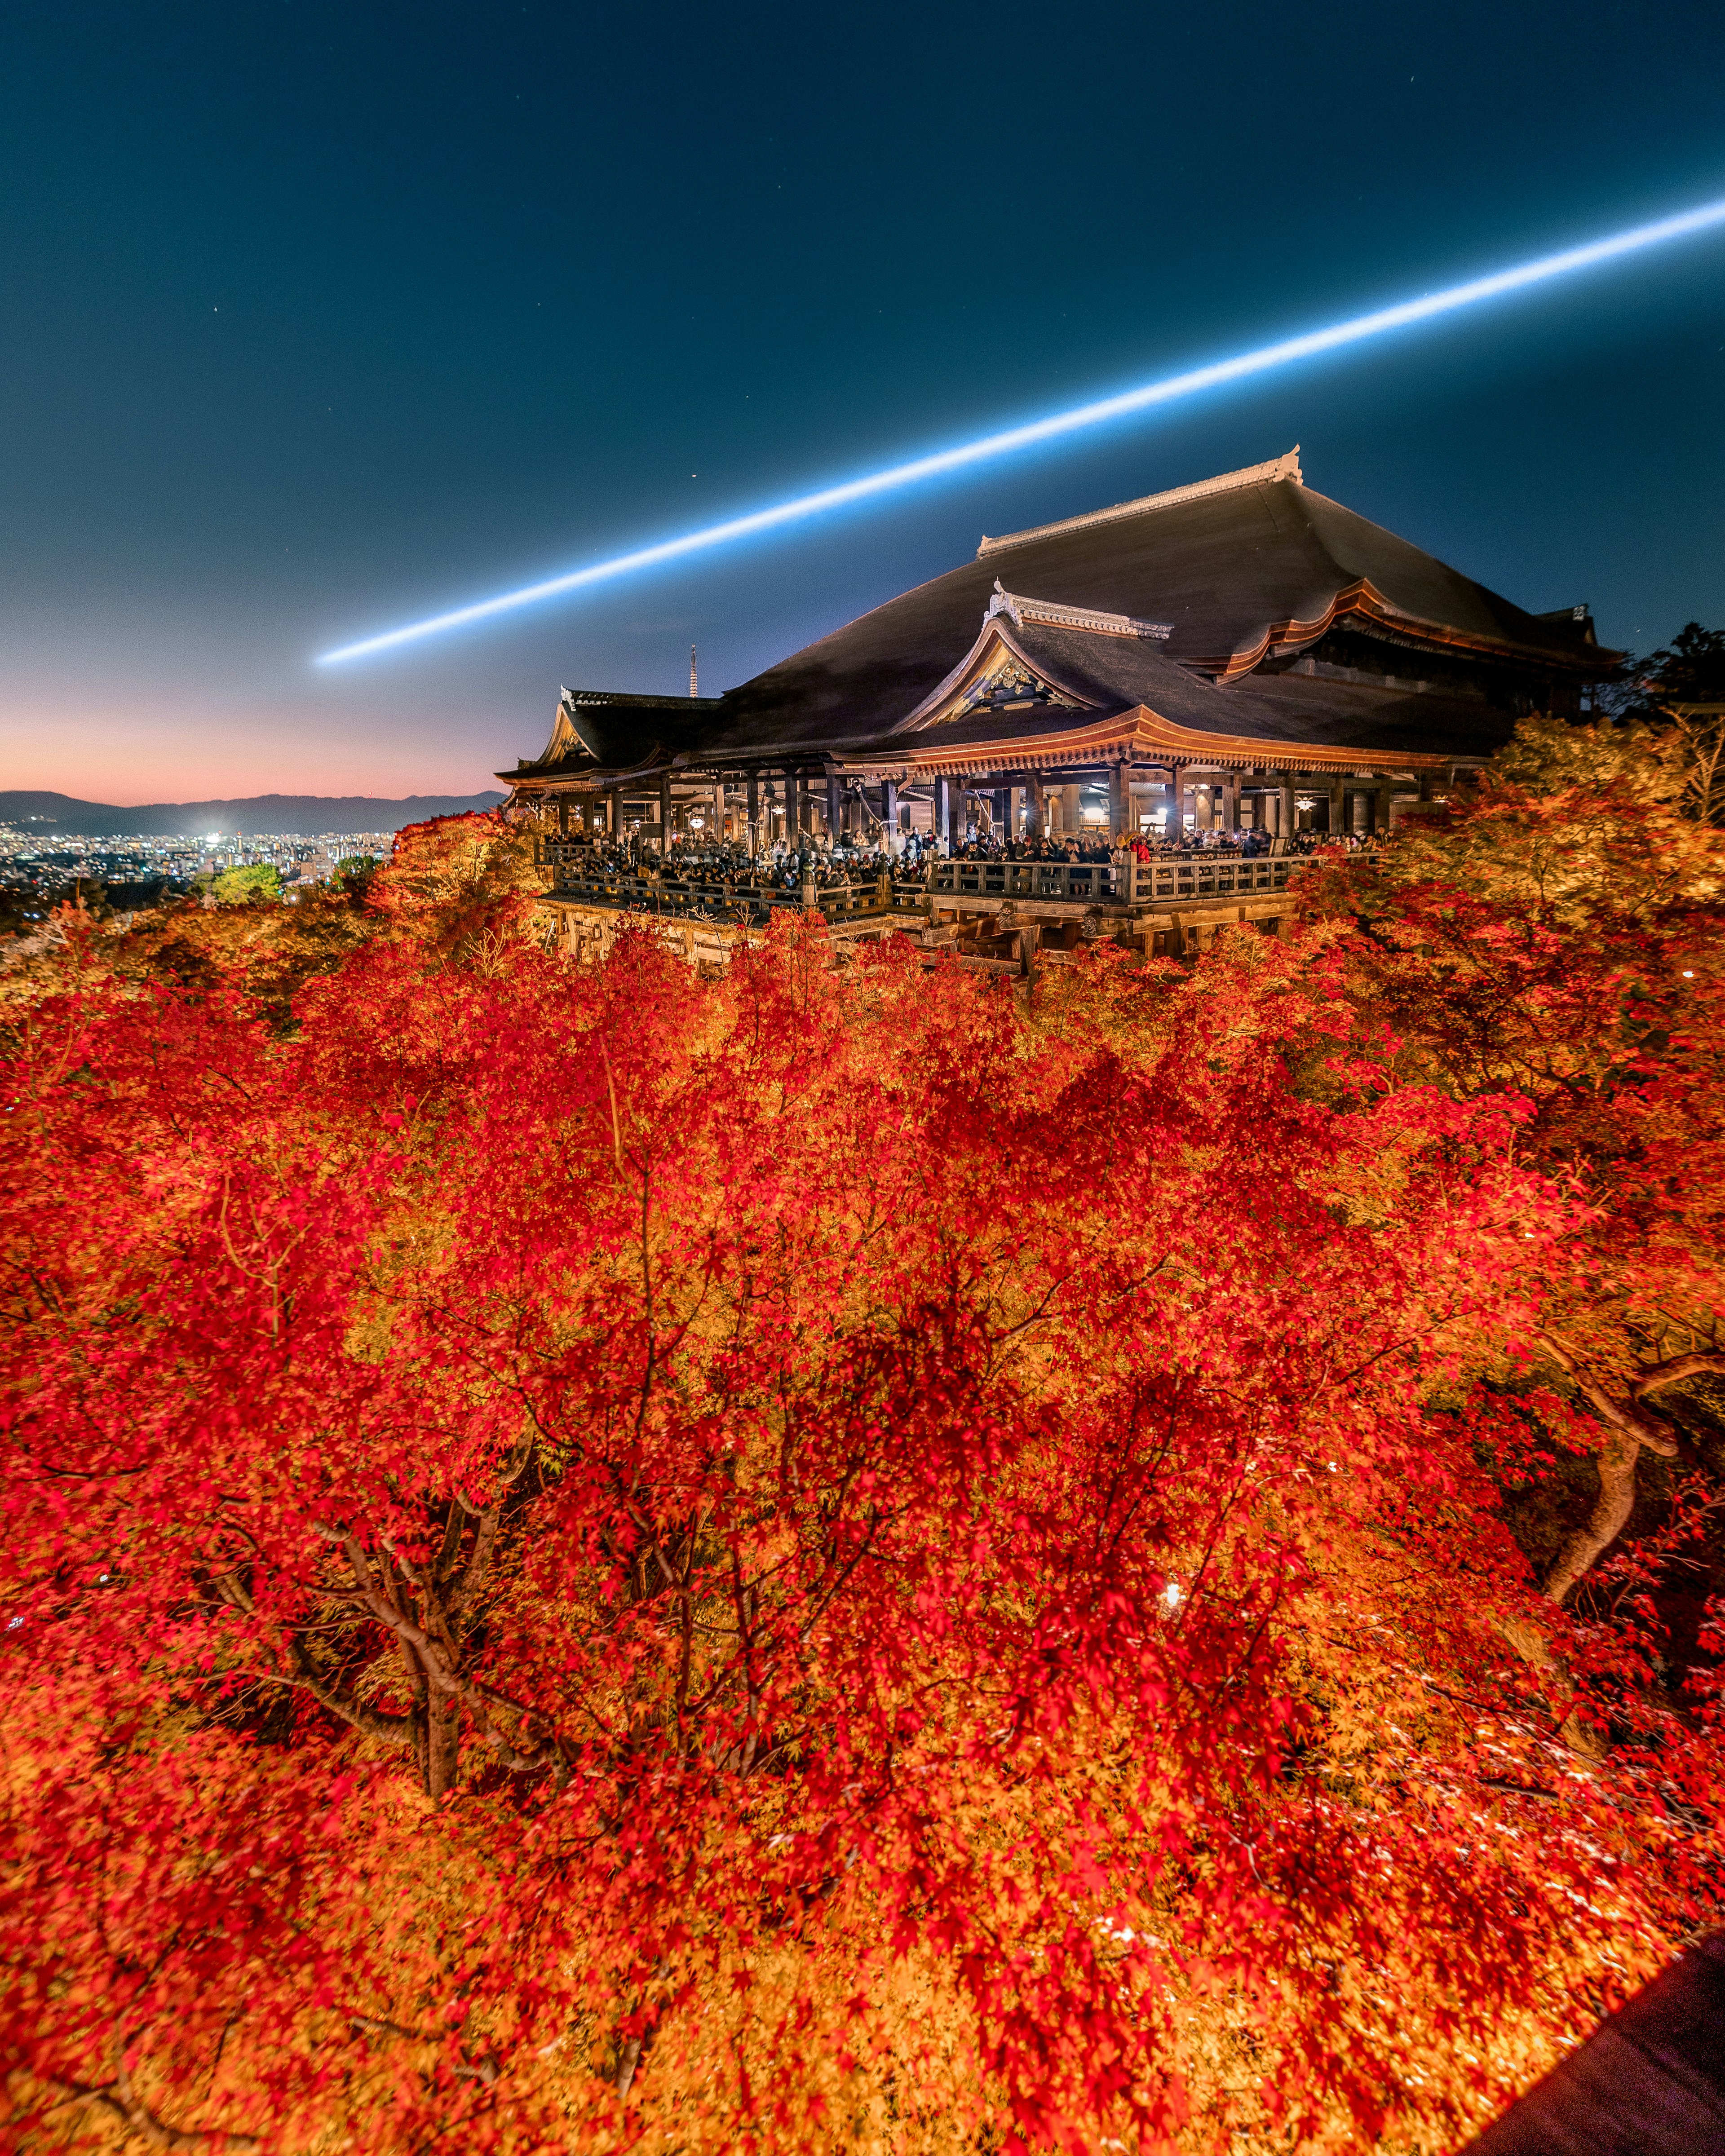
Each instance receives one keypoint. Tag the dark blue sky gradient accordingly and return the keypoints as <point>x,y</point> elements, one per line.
<point>321,318</point>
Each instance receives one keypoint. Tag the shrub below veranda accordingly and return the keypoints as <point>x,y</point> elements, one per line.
<point>820,1561</point>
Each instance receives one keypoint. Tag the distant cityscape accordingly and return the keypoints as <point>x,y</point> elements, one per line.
<point>54,847</point>
<point>41,868</point>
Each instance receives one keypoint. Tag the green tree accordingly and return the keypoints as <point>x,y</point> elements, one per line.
<point>240,887</point>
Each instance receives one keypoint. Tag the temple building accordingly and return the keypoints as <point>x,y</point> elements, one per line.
<point>1240,654</point>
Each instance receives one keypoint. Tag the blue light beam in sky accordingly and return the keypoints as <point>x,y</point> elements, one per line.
<point>1147,397</point>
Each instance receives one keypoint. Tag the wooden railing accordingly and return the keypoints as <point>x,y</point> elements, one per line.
<point>1165,879</point>
<point>575,874</point>
<point>1169,878</point>
<point>1082,883</point>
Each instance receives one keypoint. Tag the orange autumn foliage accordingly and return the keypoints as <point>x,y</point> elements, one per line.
<point>600,1560</point>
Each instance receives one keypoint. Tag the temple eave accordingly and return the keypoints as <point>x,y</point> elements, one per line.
<point>1138,736</point>
<point>1362,602</point>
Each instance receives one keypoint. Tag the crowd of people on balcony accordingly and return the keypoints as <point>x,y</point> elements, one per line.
<point>788,864</point>
<point>1247,844</point>
<point>699,859</point>
<point>988,847</point>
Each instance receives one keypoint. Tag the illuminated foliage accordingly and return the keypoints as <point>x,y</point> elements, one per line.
<point>242,886</point>
<point>818,1561</point>
<point>1557,944</point>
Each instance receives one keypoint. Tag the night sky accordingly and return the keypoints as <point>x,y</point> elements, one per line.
<point>320,318</point>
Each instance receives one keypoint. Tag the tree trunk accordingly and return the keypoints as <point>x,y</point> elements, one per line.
<point>1630,1427</point>
<point>443,1738</point>
<point>1615,1501</point>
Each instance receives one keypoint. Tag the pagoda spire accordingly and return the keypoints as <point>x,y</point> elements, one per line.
<point>694,690</point>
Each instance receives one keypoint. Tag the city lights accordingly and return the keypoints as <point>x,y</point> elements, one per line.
<point>1146,397</point>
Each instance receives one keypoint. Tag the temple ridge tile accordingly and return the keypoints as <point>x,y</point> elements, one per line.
<point>1283,467</point>
<point>1017,608</point>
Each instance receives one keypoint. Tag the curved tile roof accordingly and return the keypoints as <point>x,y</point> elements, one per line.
<point>1233,568</point>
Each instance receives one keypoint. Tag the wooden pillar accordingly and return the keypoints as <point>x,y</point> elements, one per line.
<point>664,811</point>
<point>1230,806</point>
<point>562,815</point>
<point>888,814</point>
<point>943,810</point>
<point>1284,807</point>
<point>1002,811</point>
<point>754,813</point>
<point>1120,803</point>
<point>1038,809</point>
<point>719,808</point>
<point>834,808</point>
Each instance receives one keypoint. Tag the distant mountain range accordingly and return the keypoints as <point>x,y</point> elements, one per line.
<point>307,813</point>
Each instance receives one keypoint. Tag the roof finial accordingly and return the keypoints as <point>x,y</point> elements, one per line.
<point>694,690</point>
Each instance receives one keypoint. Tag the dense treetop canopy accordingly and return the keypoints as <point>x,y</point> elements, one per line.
<point>826,1559</point>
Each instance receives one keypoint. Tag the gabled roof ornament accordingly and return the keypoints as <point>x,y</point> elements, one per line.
<point>1018,610</point>
<point>572,736</point>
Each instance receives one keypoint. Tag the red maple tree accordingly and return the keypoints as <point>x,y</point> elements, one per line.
<point>1557,944</point>
<point>601,1559</point>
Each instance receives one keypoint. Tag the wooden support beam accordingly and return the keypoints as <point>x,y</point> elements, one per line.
<point>1120,803</point>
